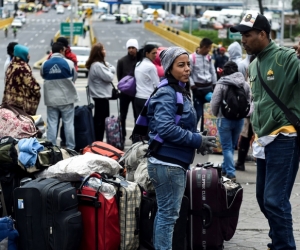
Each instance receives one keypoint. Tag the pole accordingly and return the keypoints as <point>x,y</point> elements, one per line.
<point>76,8</point>
<point>71,23</point>
<point>282,24</point>
<point>170,11</point>
<point>190,29</point>
<point>290,29</point>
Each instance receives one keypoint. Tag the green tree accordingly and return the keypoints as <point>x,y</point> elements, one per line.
<point>296,5</point>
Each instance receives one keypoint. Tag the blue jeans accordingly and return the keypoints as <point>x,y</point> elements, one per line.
<point>169,183</point>
<point>67,115</point>
<point>229,131</point>
<point>274,183</point>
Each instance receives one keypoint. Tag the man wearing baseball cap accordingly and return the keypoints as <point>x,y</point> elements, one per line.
<point>276,146</point>
<point>126,66</point>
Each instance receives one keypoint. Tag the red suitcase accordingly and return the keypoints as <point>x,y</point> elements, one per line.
<point>100,218</point>
<point>214,204</point>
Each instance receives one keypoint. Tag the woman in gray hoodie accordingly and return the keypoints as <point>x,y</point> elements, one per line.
<point>229,130</point>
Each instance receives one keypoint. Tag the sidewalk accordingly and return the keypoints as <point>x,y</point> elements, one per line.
<point>252,229</point>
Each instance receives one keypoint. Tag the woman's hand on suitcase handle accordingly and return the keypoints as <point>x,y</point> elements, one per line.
<point>208,142</point>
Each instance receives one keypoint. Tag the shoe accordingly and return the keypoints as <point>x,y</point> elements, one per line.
<point>269,246</point>
<point>239,167</point>
<point>232,178</point>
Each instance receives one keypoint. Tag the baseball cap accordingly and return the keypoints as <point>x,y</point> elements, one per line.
<point>252,20</point>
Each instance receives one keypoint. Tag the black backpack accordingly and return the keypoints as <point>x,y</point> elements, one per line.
<point>235,105</point>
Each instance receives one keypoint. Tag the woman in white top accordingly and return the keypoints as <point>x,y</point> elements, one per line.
<point>146,77</point>
<point>101,74</point>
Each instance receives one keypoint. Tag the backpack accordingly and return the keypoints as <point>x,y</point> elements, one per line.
<point>235,105</point>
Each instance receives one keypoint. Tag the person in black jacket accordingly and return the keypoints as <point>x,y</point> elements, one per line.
<point>126,66</point>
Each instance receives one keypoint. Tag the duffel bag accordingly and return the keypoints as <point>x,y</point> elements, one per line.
<point>102,148</point>
<point>16,123</point>
<point>50,155</point>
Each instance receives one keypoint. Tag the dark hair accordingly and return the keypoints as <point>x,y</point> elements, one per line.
<point>63,40</point>
<point>96,55</point>
<point>148,48</point>
<point>229,68</point>
<point>141,54</point>
<point>57,47</point>
<point>10,48</point>
<point>205,42</point>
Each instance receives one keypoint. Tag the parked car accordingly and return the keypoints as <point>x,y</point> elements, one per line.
<point>150,18</point>
<point>16,23</point>
<point>107,17</point>
<point>122,18</point>
<point>45,9</point>
<point>60,9</point>
<point>137,19</point>
<point>82,54</point>
<point>23,19</point>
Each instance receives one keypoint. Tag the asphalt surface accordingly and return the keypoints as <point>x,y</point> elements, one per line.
<point>252,229</point>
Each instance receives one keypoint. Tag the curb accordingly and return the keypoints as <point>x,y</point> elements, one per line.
<point>38,64</point>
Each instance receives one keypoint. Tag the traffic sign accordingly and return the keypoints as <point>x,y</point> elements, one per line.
<point>77,29</point>
<point>155,14</point>
<point>222,33</point>
<point>234,36</point>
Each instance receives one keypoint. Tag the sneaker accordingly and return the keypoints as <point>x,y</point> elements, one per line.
<point>232,178</point>
<point>239,167</point>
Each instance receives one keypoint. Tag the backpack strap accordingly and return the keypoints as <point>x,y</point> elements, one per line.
<point>141,126</point>
<point>194,58</point>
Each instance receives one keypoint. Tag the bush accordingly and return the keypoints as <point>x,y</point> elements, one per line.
<point>213,35</point>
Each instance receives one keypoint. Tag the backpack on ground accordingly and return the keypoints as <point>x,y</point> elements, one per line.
<point>235,105</point>
<point>102,148</point>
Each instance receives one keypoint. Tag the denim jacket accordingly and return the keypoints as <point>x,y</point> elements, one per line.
<point>181,140</point>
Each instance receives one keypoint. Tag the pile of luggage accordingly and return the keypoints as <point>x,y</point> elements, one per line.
<point>103,198</point>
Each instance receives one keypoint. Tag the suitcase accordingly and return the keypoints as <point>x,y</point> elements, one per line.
<point>47,215</point>
<point>114,132</point>
<point>214,207</point>
<point>100,219</point>
<point>148,213</point>
<point>102,148</point>
<point>83,126</point>
<point>129,200</point>
<point>210,124</point>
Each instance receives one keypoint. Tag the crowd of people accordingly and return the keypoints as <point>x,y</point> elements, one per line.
<point>177,85</point>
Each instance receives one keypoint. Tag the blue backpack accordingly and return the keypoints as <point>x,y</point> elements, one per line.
<point>8,234</point>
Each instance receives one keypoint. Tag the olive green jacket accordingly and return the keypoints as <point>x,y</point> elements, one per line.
<point>280,69</point>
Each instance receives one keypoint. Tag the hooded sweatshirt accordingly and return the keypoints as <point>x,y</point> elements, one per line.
<point>236,79</point>
<point>235,52</point>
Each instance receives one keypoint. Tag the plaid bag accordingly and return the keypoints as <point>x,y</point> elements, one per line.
<point>129,199</point>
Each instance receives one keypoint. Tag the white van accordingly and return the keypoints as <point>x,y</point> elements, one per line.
<point>232,16</point>
<point>86,6</point>
<point>208,16</point>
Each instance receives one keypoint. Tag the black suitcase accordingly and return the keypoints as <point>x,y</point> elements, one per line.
<point>83,126</point>
<point>47,215</point>
<point>147,216</point>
